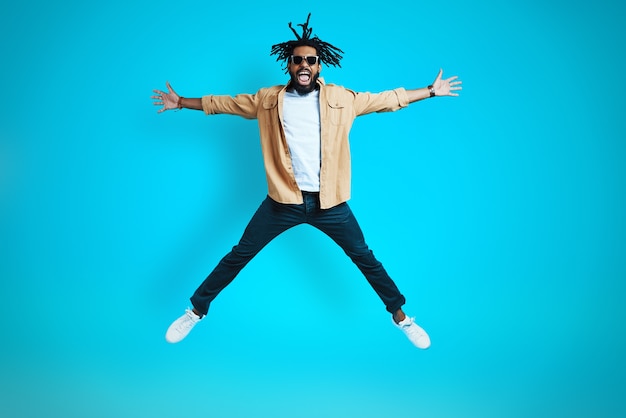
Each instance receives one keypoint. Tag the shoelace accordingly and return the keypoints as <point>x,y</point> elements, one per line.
<point>413,330</point>
<point>405,326</point>
<point>188,323</point>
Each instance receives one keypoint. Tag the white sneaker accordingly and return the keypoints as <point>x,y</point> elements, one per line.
<point>414,332</point>
<point>182,326</point>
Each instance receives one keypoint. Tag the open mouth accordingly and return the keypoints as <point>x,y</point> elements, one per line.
<point>304,76</point>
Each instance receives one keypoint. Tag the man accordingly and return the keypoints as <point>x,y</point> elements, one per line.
<point>304,128</point>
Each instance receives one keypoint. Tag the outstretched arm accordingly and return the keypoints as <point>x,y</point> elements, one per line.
<point>171,100</point>
<point>440,87</point>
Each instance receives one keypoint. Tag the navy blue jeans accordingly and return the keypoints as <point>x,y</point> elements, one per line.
<point>272,219</point>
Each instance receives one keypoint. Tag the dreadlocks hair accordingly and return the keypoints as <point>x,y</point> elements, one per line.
<point>328,53</point>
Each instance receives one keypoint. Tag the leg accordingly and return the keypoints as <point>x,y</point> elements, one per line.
<point>342,227</point>
<point>270,220</point>
<point>340,224</point>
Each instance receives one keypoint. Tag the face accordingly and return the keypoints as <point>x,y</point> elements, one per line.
<point>304,75</point>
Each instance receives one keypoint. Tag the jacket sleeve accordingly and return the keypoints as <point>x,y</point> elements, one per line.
<point>386,101</point>
<point>244,105</point>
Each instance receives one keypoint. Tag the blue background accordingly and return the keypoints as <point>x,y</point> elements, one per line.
<point>500,214</point>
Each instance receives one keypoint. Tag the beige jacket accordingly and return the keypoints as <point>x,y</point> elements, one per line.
<point>338,109</point>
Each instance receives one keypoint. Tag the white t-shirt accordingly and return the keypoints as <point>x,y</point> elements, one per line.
<point>301,119</point>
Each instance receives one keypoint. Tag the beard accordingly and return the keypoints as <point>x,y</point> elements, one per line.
<point>300,89</point>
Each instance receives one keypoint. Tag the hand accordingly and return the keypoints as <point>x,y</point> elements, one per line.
<point>446,87</point>
<point>167,100</point>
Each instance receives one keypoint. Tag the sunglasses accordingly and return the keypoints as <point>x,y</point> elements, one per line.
<point>297,59</point>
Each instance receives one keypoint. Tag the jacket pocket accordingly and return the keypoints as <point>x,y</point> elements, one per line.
<point>338,112</point>
<point>270,101</point>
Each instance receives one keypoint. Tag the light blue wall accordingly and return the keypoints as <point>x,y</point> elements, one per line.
<point>500,214</point>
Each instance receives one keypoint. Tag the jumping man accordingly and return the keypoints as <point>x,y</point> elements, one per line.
<point>304,128</point>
